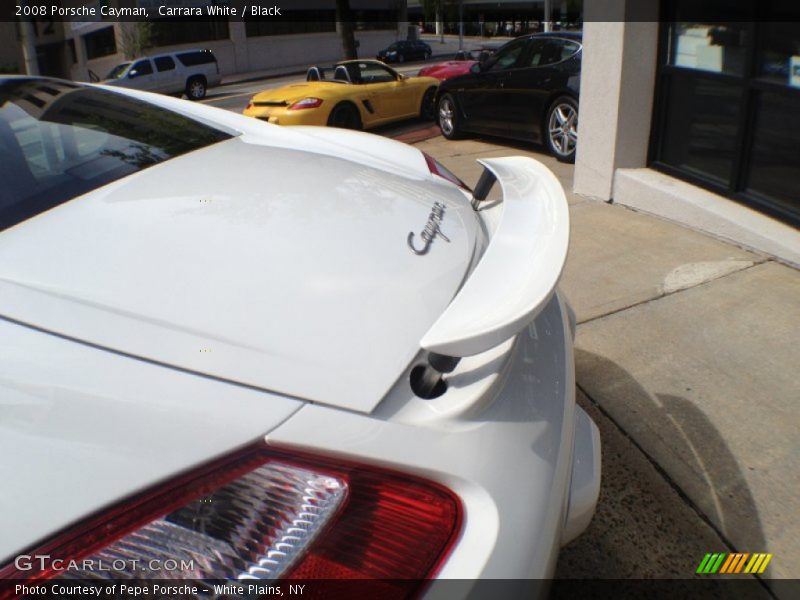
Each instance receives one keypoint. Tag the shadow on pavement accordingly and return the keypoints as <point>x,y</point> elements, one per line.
<point>645,526</point>
<point>509,143</point>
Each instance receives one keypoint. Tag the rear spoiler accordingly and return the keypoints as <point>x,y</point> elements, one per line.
<point>518,273</point>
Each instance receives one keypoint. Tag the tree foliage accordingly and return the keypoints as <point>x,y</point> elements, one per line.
<point>136,38</point>
<point>345,23</point>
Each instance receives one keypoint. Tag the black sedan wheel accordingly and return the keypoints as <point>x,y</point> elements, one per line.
<point>562,129</point>
<point>345,116</point>
<point>449,120</point>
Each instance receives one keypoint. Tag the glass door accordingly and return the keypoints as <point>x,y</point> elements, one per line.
<point>727,113</point>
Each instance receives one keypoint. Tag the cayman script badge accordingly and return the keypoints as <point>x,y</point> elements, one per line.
<point>431,230</point>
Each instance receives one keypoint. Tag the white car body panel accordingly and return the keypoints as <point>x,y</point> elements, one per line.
<point>130,317</point>
<point>508,455</point>
<point>82,428</point>
<point>286,248</point>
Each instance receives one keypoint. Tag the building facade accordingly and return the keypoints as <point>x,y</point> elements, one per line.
<point>685,115</point>
<point>305,33</point>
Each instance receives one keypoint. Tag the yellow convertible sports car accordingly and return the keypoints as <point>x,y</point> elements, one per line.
<point>355,94</point>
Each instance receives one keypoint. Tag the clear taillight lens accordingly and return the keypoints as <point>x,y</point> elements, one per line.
<point>252,528</point>
<point>264,514</point>
<point>306,103</point>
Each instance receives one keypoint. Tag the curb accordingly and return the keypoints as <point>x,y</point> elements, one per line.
<point>417,135</point>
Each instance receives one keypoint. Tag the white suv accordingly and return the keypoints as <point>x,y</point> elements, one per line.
<point>188,72</point>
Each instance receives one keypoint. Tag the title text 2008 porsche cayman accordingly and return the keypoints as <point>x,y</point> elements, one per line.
<point>355,370</point>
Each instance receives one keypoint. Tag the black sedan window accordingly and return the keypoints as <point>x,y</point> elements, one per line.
<point>550,51</point>
<point>507,57</point>
<point>59,140</point>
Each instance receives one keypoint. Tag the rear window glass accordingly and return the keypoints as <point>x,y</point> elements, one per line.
<point>190,59</point>
<point>59,140</point>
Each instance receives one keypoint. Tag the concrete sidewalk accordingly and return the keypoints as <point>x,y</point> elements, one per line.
<point>687,356</point>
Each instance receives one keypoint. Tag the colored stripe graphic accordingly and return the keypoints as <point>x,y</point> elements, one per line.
<point>765,563</point>
<point>728,562</point>
<point>718,563</point>
<point>758,564</point>
<point>711,563</point>
<point>740,564</point>
<point>752,563</point>
<point>723,563</point>
<point>703,563</point>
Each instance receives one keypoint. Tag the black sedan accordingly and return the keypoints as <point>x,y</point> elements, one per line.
<point>528,90</point>
<point>405,50</point>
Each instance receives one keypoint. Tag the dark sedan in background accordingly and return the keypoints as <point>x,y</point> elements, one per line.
<point>528,90</point>
<point>405,50</point>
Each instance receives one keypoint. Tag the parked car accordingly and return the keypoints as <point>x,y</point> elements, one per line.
<point>189,72</point>
<point>405,50</point>
<point>254,352</point>
<point>460,65</point>
<point>356,94</point>
<point>528,90</point>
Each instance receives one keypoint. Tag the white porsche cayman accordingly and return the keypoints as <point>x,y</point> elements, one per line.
<point>234,351</point>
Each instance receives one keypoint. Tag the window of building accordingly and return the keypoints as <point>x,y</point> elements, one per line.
<point>292,22</point>
<point>779,55</point>
<point>374,19</point>
<point>168,32</point>
<point>100,43</point>
<point>728,104</point>
<point>715,47</point>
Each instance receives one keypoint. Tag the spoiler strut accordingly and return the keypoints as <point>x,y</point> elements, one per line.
<point>518,273</point>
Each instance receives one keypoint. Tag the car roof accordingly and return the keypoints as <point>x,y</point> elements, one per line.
<point>172,53</point>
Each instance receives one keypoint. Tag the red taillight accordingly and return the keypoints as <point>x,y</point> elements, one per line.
<point>437,168</point>
<point>266,514</point>
<point>393,527</point>
<point>306,103</point>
